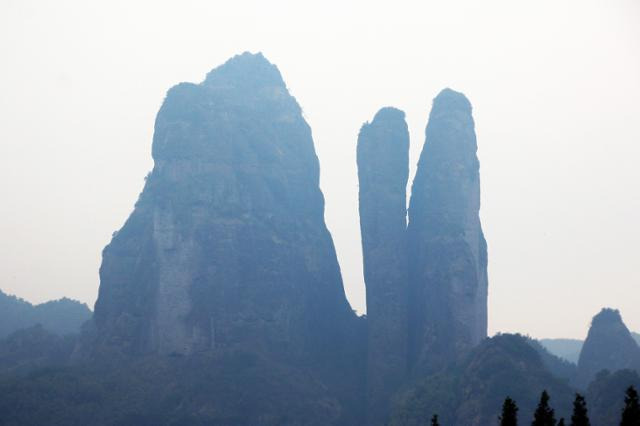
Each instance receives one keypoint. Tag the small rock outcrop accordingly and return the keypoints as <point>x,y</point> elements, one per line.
<point>446,247</point>
<point>609,346</point>
<point>383,170</point>
<point>227,245</point>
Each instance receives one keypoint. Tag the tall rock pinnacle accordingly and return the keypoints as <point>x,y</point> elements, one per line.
<point>227,245</point>
<point>383,170</point>
<point>447,249</point>
<point>609,345</point>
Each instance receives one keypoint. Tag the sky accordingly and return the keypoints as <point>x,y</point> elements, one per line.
<point>555,88</point>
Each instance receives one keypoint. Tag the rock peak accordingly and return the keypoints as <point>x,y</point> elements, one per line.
<point>389,114</point>
<point>235,173</point>
<point>451,100</point>
<point>609,345</point>
<point>383,170</point>
<point>606,316</point>
<point>447,250</point>
<point>245,70</point>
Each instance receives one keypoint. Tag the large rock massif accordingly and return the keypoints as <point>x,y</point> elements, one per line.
<point>221,299</point>
<point>609,346</point>
<point>227,245</point>
<point>383,170</point>
<point>446,247</point>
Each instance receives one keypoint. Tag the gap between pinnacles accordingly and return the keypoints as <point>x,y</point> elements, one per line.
<point>426,280</point>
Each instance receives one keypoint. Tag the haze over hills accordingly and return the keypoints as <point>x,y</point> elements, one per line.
<point>221,298</point>
<point>63,316</point>
<point>568,349</point>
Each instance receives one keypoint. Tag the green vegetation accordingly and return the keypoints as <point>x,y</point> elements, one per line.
<point>509,416</point>
<point>579,416</point>
<point>64,316</point>
<point>544,414</point>
<point>631,412</point>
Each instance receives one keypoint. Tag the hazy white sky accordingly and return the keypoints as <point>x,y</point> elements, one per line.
<point>555,87</point>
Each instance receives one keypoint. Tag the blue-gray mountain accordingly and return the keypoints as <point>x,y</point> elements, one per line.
<point>426,281</point>
<point>63,316</point>
<point>227,245</point>
<point>227,256</point>
<point>609,346</point>
<point>446,247</point>
<point>383,170</point>
<point>221,300</point>
<point>569,349</point>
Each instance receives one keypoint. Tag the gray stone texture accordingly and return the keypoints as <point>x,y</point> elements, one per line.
<point>383,170</point>
<point>227,244</point>
<point>446,247</point>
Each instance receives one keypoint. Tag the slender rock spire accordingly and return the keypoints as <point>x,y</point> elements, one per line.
<point>447,249</point>
<point>383,169</point>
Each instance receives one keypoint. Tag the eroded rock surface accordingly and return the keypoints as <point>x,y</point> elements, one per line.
<point>446,246</point>
<point>227,245</point>
<point>383,170</point>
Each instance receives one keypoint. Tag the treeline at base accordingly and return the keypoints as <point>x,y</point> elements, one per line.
<point>545,415</point>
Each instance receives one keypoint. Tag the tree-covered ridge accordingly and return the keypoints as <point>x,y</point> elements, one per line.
<point>472,390</point>
<point>63,316</point>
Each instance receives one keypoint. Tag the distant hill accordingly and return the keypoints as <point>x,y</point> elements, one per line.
<point>568,349</point>
<point>63,316</point>
<point>558,366</point>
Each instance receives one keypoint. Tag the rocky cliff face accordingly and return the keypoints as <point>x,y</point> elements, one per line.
<point>446,247</point>
<point>227,245</point>
<point>383,170</point>
<point>609,345</point>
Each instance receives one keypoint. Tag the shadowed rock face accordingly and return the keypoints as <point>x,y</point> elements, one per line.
<point>446,247</point>
<point>383,169</point>
<point>609,345</point>
<point>227,245</point>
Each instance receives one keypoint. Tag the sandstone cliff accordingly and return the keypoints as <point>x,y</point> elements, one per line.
<point>227,245</point>
<point>383,170</point>
<point>446,247</point>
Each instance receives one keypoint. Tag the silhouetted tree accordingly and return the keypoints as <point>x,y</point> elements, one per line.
<point>509,415</point>
<point>561,421</point>
<point>579,416</point>
<point>544,415</point>
<point>434,420</point>
<point>631,412</point>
